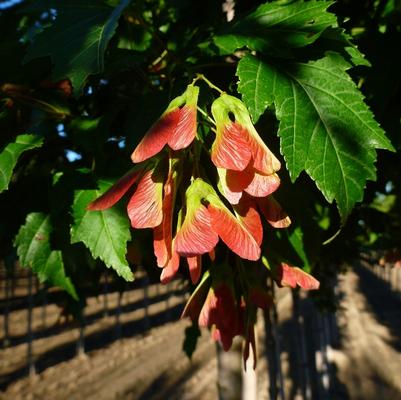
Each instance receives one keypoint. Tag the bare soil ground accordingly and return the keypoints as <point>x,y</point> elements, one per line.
<point>369,360</point>
<point>150,365</point>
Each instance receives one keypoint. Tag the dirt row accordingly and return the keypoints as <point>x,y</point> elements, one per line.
<point>369,361</point>
<point>151,365</point>
<point>55,341</point>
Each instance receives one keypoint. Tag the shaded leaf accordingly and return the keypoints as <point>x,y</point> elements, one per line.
<point>9,156</point>
<point>105,233</point>
<point>296,238</point>
<point>192,333</point>
<point>275,28</point>
<point>78,39</point>
<point>33,249</point>
<point>336,39</point>
<point>195,302</point>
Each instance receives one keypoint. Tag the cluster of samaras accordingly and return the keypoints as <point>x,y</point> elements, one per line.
<point>225,206</point>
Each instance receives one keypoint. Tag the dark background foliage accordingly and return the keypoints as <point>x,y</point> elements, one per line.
<point>123,78</point>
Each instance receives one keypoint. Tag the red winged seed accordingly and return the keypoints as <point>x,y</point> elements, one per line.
<point>230,150</point>
<point>114,194</point>
<point>293,276</point>
<point>157,136</point>
<point>273,212</point>
<point>185,130</point>
<point>145,206</point>
<point>263,185</point>
<point>246,211</point>
<point>195,236</point>
<point>233,233</point>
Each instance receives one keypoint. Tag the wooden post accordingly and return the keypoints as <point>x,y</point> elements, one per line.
<point>277,343</point>
<point>229,365</point>
<point>7,284</point>
<point>321,358</point>
<point>81,333</point>
<point>168,294</point>
<point>272,344</point>
<point>302,348</point>
<point>249,378</point>
<point>118,312</point>
<point>30,337</point>
<point>146,318</point>
<point>105,295</point>
<point>44,307</point>
<point>271,361</point>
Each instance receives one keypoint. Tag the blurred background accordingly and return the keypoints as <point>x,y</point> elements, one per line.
<point>128,343</point>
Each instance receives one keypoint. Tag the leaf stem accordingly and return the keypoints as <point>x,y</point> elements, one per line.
<point>210,84</point>
<point>206,115</point>
<point>159,58</point>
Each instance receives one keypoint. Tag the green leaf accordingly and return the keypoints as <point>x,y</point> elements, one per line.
<point>275,28</point>
<point>34,251</point>
<point>296,238</point>
<point>9,156</point>
<point>105,233</point>
<point>384,203</point>
<point>325,127</point>
<point>336,39</point>
<point>137,37</point>
<point>78,39</point>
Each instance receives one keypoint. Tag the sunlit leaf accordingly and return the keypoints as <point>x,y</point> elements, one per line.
<point>105,233</point>
<point>325,127</point>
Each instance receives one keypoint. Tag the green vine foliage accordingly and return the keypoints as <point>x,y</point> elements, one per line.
<point>85,84</point>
